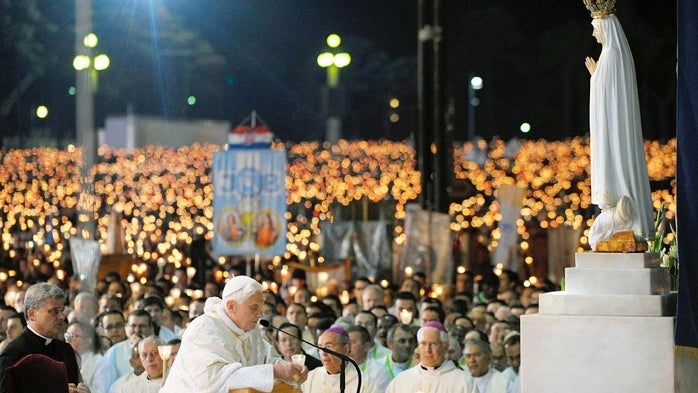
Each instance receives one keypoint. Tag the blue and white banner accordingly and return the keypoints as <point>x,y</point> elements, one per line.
<point>249,205</point>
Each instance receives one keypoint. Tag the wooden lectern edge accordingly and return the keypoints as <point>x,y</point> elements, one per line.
<point>279,387</point>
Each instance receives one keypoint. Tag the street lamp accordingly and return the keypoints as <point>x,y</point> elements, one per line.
<point>333,60</point>
<point>474,84</point>
<point>86,67</point>
<point>83,61</point>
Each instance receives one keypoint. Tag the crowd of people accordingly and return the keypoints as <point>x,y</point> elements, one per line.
<point>402,338</point>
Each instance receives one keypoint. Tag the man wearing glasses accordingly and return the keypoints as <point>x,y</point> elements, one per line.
<point>112,325</point>
<point>138,326</point>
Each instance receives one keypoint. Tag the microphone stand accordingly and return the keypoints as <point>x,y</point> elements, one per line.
<point>343,357</point>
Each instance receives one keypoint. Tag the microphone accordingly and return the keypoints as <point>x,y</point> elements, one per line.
<point>342,356</point>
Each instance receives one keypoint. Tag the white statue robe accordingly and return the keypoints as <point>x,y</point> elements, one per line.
<point>216,356</point>
<point>319,381</point>
<point>446,378</point>
<point>618,163</point>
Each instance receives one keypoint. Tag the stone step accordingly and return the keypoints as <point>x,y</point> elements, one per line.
<point>616,260</point>
<point>563,303</point>
<point>617,281</point>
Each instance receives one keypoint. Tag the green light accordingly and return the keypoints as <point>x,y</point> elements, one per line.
<point>191,100</point>
<point>72,90</point>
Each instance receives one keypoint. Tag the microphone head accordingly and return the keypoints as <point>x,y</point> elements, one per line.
<point>264,323</point>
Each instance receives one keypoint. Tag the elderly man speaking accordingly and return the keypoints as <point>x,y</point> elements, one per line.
<point>223,349</point>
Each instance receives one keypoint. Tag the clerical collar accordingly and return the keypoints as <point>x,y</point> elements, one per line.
<point>47,339</point>
<point>430,368</point>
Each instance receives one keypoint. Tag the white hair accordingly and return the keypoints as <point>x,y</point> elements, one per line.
<point>443,336</point>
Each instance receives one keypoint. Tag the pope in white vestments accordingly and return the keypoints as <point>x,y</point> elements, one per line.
<point>435,373</point>
<point>223,349</point>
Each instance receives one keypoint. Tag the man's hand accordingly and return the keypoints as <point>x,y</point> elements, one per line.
<point>290,372</point>
<point>79,388</point>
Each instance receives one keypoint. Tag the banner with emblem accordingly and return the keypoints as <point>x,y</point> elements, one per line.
<point>249,205</point>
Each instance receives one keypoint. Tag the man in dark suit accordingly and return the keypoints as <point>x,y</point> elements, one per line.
<point>43,307</point>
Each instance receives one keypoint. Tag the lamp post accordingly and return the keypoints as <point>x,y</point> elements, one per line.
<point>333,60</point>
<point>86,67</point>
<point>474,84</point>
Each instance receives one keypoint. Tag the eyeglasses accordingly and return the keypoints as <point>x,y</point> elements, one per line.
<point>138,327</point>
<point>117,326</point>
<point>70,336</point>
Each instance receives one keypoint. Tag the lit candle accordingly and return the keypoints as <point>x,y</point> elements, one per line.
<point>406,317</point>
<point>344,297</point>
<point>191,271</point>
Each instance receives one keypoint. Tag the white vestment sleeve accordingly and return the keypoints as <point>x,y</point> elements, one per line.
<point>248,377</point>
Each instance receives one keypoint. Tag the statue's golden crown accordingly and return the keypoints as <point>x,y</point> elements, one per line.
<point>600,8</point>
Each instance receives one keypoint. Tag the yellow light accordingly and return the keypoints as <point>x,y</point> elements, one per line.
<point>342,59</point>
<point>90,40</point>
<point>325,59</point>
<point>334,40</point>
<point>101,62</point>
<point>41,111</point>
<point>81,62</point>
<point>394,103</point>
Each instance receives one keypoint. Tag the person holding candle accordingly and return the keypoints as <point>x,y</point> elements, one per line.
<point>288,345</point>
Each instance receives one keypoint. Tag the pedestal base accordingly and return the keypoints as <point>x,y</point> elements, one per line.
<point>600,354</point>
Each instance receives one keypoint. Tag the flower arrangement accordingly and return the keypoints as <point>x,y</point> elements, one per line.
<point>667,247</point>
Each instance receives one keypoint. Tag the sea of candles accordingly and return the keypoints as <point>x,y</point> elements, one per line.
<point>164,196</point>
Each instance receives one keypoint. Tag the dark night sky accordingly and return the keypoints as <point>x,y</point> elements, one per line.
<point>530,57</point>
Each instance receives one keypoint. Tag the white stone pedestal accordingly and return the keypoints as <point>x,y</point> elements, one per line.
<point>610,331</point>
